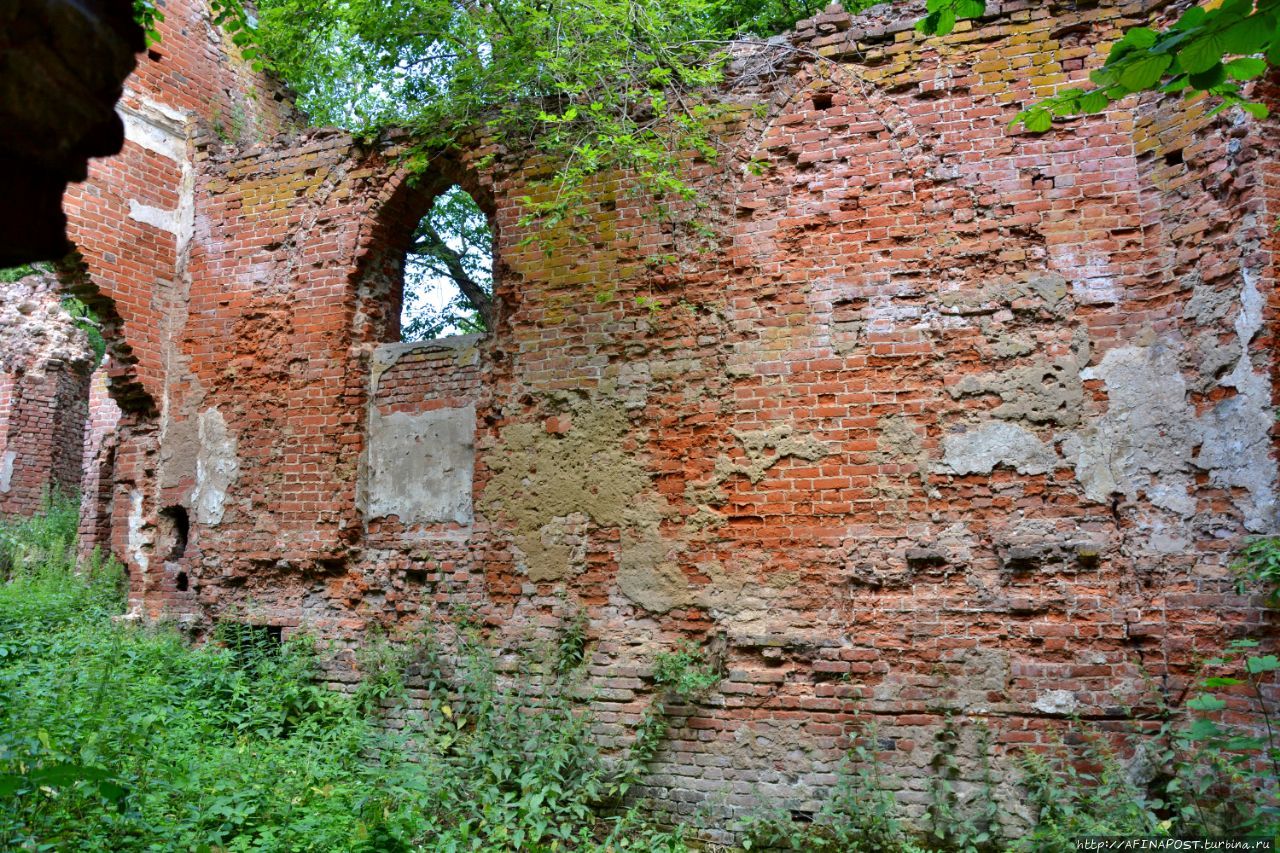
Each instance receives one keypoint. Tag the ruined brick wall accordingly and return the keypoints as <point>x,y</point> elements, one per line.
<point>44,381</point>
<point>132,223</point>
<point>97,481</point>
<point>133,217</point>
<point>943,421</point>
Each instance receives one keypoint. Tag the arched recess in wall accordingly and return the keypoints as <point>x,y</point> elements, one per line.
<point>431,268</point>
<point>426,364</point>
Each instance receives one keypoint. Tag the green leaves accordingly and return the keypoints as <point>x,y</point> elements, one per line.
<point>1259,560</point>
<point>686,671</point>
<point>1207,51</point>
<point>1144,72</point>
<point>1206,702</point>
<point>1246,68</point>
<point>120,738</point>
<point>943,15</point>
<point>149,18</point>
<point>1259,665</point>
<point>1202,52</point>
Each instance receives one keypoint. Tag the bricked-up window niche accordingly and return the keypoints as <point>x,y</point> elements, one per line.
<point>448,270</point>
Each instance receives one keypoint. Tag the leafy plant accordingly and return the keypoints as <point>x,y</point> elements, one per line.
<point>11,274</point>
<point>950,825</point>
<point>571,646</point>
<point>115,737</point>
<point>1211,49</point>
<point>1259,562</point>
<point>1235,787</point>
<point>686,671</point>
<point>87,321</point>
<point>1083,793</point>
<point>860,815</point>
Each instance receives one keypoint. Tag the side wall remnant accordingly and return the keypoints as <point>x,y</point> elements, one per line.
<point>935,420</point>
<point>44,390</point>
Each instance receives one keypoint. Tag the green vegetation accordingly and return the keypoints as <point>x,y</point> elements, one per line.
<point>1208,775</point>
<point>87,321</point>
<point>119,738</point>
<point>1259,563</point>
<point>12,274</point>
<point>686,672</point>
<point>598,86</point>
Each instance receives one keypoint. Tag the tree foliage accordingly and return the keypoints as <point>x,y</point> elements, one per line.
<point>1206,51</point>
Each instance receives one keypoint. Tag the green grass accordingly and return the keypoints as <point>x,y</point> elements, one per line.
<point>118,737</point>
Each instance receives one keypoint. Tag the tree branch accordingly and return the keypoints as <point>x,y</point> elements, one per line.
<point>430,242</point>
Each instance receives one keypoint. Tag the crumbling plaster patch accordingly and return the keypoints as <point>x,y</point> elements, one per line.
<point>420,466</point>
<point>762,450</point>
<point>138,540</point>
<point>1235,446</point>
<point>979,450</point>
<point>217,467</point>
<point>1045,391</point>
<point>6,469</point>
<point>540,480</point>
<point>1151,441</point>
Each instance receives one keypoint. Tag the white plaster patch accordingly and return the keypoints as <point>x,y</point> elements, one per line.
<point>1144,441</point>
<point>6,469</point>
<point>217,467</point>
<point>154,126</point>
<point>165,220</point>
<point>419,467</point>
<point>1151,441</point>
<point>137,536</point>
<point>980,450</point>
<point>1235,445</point>
<point>1057,702</point>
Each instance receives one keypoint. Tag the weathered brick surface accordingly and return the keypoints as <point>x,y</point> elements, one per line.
<point>97,483</point>
<point>132,223</point>
<point>44,381</point>
<point>943,419</point>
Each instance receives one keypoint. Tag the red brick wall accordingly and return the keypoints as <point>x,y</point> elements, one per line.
<point>97,484</point>
<point>943,419</point>
<point>133,222</point>
<point>44,376</point>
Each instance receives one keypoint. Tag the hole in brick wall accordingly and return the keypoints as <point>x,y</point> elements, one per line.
<point>823,100</point>
<point>801,816</point>
<point>182,582</point>
<point>1174,158</point>
<point>448,270</point>
<point>154,55</point>
<point>174,528</point>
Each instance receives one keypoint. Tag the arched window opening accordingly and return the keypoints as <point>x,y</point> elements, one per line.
<point>448,271</point>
